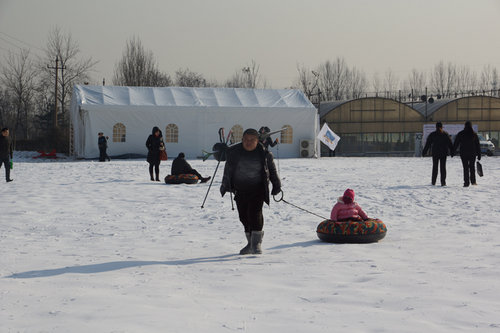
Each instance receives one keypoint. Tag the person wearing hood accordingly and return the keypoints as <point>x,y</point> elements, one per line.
<point>468,141</point>
<point>440,144</point>
<point>6,152</point>
<point>347,209</point>
<point>154,144</point>
<point>180,167</point>
<point>249,169</point>
<point>265,138</point>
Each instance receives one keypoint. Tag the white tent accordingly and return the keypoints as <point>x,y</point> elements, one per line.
<point>188,117</point>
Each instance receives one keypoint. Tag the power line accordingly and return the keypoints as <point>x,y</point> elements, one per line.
<point>20,41</point>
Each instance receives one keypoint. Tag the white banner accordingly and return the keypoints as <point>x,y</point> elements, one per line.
<point>328,137</point>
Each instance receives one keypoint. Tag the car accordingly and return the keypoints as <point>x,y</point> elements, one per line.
<point>487,147</point>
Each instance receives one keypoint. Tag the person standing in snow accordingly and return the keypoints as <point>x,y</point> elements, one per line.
<point>154,144</point>
<point>347,209</point>
<point>180,166</point>
<point>6,152</point>
<point>248,170</point>
<point>468,141</point>
<point>102,143</point>
<point>440,143</point>
<point>265,138</point>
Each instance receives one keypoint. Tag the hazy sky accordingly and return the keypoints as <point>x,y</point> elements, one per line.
<point>218,37</point>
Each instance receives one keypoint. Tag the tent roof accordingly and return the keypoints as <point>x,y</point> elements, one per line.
<point>183,96</point>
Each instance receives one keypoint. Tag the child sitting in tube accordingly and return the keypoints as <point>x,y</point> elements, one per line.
<point>347,209</point>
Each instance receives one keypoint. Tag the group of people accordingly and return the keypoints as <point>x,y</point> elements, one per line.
<point>439,142</point>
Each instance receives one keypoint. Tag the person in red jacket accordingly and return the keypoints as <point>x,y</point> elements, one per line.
<point>347,209</point>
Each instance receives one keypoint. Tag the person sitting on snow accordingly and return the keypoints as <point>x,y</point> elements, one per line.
<point>347,209</point>
<point>180,166</point>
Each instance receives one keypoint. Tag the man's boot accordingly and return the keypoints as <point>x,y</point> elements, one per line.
<point>205,179</point>
<point>256,241</point>
<point>247,249</point>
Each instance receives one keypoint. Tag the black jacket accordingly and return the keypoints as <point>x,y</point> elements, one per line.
<point>440,142</point>
<point>102,143</point>
<point>268,167</point>
<point>468,141</point>
<point>181,166</point>
<point>6,149</point>
<point>154,143</point>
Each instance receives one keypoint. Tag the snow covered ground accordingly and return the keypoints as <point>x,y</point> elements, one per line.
<point>97,247</point>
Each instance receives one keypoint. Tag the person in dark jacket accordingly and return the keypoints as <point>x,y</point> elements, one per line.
<point>248,170</point>
<point>180,166</point>
<point>468,141</point>
<point>440,144</point>
<point>102,143</point>
<point>6,152</point>
<point>154,144</point>
<point>265,138</point>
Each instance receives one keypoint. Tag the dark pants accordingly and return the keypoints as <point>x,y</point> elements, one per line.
<point>156,166</point>
<point>6,163</point>
<point>250,210</point>
<point>468,163</point>
<point>103,155</point>
<point>441,160</point>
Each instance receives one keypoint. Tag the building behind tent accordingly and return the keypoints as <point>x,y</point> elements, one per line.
<point>190,118</point>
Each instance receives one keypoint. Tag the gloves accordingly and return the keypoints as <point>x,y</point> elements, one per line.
<point>277,140</point>
<point>223,190</point>
<point>276,190</point>
<point>479,157</point>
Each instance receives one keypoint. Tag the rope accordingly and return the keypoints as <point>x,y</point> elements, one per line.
<point>291,204</point>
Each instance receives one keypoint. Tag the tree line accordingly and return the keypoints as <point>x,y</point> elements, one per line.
<point>28,80</point>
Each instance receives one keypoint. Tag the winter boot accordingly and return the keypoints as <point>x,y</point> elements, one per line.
<point>256,241</point>
<point>248,248</point>
<point>205,179</point>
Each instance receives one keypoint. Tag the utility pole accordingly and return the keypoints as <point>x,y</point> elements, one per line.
<point>57,68</point>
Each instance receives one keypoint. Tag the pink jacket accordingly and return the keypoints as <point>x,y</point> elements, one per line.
<point>343,211</point>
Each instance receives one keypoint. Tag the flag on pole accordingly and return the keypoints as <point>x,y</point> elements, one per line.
<point>328,137</point>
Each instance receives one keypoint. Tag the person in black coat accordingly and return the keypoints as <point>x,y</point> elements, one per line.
<point>6,152</point>
<point>265,138</point>
<point>180,166</point>
<point>102,143</point>
<point>248,170</point>
<point>440,143</point>
<point>154,144</point>
<point>468,141</point>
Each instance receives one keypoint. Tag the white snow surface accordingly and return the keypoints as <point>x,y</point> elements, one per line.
<point>98,247</point>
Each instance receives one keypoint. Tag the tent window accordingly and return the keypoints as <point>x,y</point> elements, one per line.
<point>287,135</point>
<point>172,133</point>
<point>119,132</point>
<point>237,134</point>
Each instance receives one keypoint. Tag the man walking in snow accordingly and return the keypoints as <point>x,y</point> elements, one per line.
<point>468,142</point>
<point>248,170</point>
<point>440,143</point>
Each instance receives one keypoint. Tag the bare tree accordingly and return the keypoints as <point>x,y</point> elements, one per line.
<point>307,81</point>
<point>19,76</point>
<point>376,83</point>
<point>489,79</point>
<point>333,78</point>
<point>74,69</point>
<point>416,83</point>
<point>187,78</point>
<point>247,77</point>
<point>357,83</point>
<point>466,81</point>
<point>138,67</point>
<point>444,78</point>
<point>391,83</point>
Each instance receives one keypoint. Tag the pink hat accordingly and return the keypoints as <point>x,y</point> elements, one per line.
<point>348,196</point>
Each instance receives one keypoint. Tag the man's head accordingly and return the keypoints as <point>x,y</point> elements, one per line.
<point>5,131</point>
<point>439,126</point>
<point>100,133</point>
<point>250,139</point>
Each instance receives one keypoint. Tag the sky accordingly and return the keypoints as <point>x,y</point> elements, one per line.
<point>219,37</point>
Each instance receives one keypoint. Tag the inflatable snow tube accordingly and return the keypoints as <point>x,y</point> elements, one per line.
<point>351,231</point>
<point>181,179</point>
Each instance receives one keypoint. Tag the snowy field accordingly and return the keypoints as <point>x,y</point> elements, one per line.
<point>97,247</point>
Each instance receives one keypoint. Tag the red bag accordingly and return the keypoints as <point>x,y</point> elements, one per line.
<point>163,155</point>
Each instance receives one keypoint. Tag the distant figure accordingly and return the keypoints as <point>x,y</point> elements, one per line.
<point>102,143</point>
<point>440,143</point>
<point>155,144</point>
<point>265,138</point>
<point>468,141</point>
<point>347,209</point>
<point>249,169</point>
<point>6,152</point>
<point>180,166</point>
